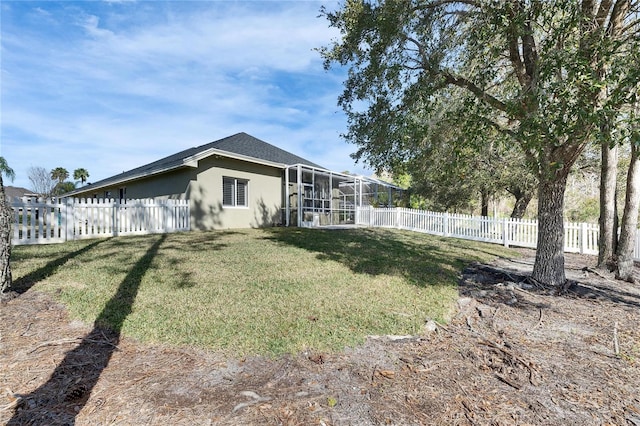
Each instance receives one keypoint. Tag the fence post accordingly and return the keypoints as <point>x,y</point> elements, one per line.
<point>171,224</point>
<point>116,217</point>
<point>164,207</point>
<point>398,212</point>
<point>67,219</point>
<point>505,231</point>
<point>187,208</point>
<point>445,224</point>
<point>583,238</point>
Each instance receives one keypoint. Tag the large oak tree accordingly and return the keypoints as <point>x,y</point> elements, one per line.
<point>530,69</point>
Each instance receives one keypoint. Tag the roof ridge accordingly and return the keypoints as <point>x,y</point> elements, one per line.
<point>241,143</point>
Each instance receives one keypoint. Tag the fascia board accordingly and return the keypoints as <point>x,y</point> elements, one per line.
<point>213,151</point>
<point>191,161</point>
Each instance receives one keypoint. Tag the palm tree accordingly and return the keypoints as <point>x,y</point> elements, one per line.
<point>60,174</point>
<point>5,229</point>
<point>81,175</point>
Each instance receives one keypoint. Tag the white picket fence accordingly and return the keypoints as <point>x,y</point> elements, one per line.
<point>578,237</point>
<point>45,221</point>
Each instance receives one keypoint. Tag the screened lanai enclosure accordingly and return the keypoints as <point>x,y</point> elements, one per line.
<point>318,197</point>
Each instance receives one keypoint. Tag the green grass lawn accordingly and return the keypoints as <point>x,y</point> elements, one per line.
<point>257,291</point>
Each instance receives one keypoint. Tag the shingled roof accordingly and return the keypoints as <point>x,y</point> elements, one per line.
<point>249,146</point>
<point>12,192</point>
<point>240,145</point>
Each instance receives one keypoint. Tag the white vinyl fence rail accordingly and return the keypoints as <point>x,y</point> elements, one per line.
<point>45,221</point>
<point>578,237</point>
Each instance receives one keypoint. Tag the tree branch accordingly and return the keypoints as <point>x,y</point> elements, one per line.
<point>629,27</point>
<point>603,12</point>
<point>516,61</point>
<point>588,8</point>
<point>620,9</point>
<point>499,128</point>
<point>525,67</point>
<point>436,3</point>
<point>421,51</point>
<point>478,92</point>
<point>530,54</point>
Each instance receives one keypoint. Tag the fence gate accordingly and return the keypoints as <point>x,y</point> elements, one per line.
<point>45,221</point>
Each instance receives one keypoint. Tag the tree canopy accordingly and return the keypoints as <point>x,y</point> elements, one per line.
<point>81,174</point>
<point>60,174</point>
<point>6,170</point>
<point>532,70</point>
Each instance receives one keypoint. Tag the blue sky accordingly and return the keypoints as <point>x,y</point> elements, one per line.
<point>112,85</point>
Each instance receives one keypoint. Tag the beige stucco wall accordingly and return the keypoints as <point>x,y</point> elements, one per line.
<point>203,187</point>
<point>167,185</point>
<point>264,193</point>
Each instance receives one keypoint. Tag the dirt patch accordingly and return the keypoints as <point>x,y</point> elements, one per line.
<point>514,354</point>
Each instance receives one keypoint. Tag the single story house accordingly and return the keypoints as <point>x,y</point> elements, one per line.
<point>241,181</point>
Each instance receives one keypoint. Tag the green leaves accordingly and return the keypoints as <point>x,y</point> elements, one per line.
<point>535,73</point>
<point>6,170</point>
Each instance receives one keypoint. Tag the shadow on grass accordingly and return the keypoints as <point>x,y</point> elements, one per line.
<point>193,242</point>
<point>197,241</point>
<point>420,260</point>
<point>61,398</point>
<point>23,284</point>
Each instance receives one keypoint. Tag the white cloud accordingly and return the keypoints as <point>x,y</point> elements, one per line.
<point>91,26</point>
<point>110,88</point>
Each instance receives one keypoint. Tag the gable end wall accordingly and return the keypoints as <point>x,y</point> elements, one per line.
<point>203,187</point>
<point>264,193</point>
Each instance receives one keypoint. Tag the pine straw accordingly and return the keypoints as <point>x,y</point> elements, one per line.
<point>543,359</point>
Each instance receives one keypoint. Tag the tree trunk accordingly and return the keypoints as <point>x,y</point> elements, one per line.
<point>627,240</point>
<point>548,268</point>
<point>484,201</point>
<point>520,207</point>
<point>5,240</point>
<point>608,213</point>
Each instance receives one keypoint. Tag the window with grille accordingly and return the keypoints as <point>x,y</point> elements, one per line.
<point>235,192</point>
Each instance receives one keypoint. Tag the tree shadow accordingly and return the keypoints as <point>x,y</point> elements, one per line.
<point>493,285</point>
<point>204,216</point>
<point>23,284</point>
<point>603,291</point>
<point>61,398</point>
<point>376,252</point>
<point>268,217</point>
<point>200,242</point>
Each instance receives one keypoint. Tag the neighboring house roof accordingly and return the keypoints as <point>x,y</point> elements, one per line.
<point>240,146</point>
<point>12,192</point>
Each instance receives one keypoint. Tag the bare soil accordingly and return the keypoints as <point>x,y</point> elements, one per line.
<point>514,354</point>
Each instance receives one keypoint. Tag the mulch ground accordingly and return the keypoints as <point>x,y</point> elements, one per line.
<point>514,354</point>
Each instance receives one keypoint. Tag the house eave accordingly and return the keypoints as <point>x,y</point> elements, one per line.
<point>188,162</point>
<point>213,151</point>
